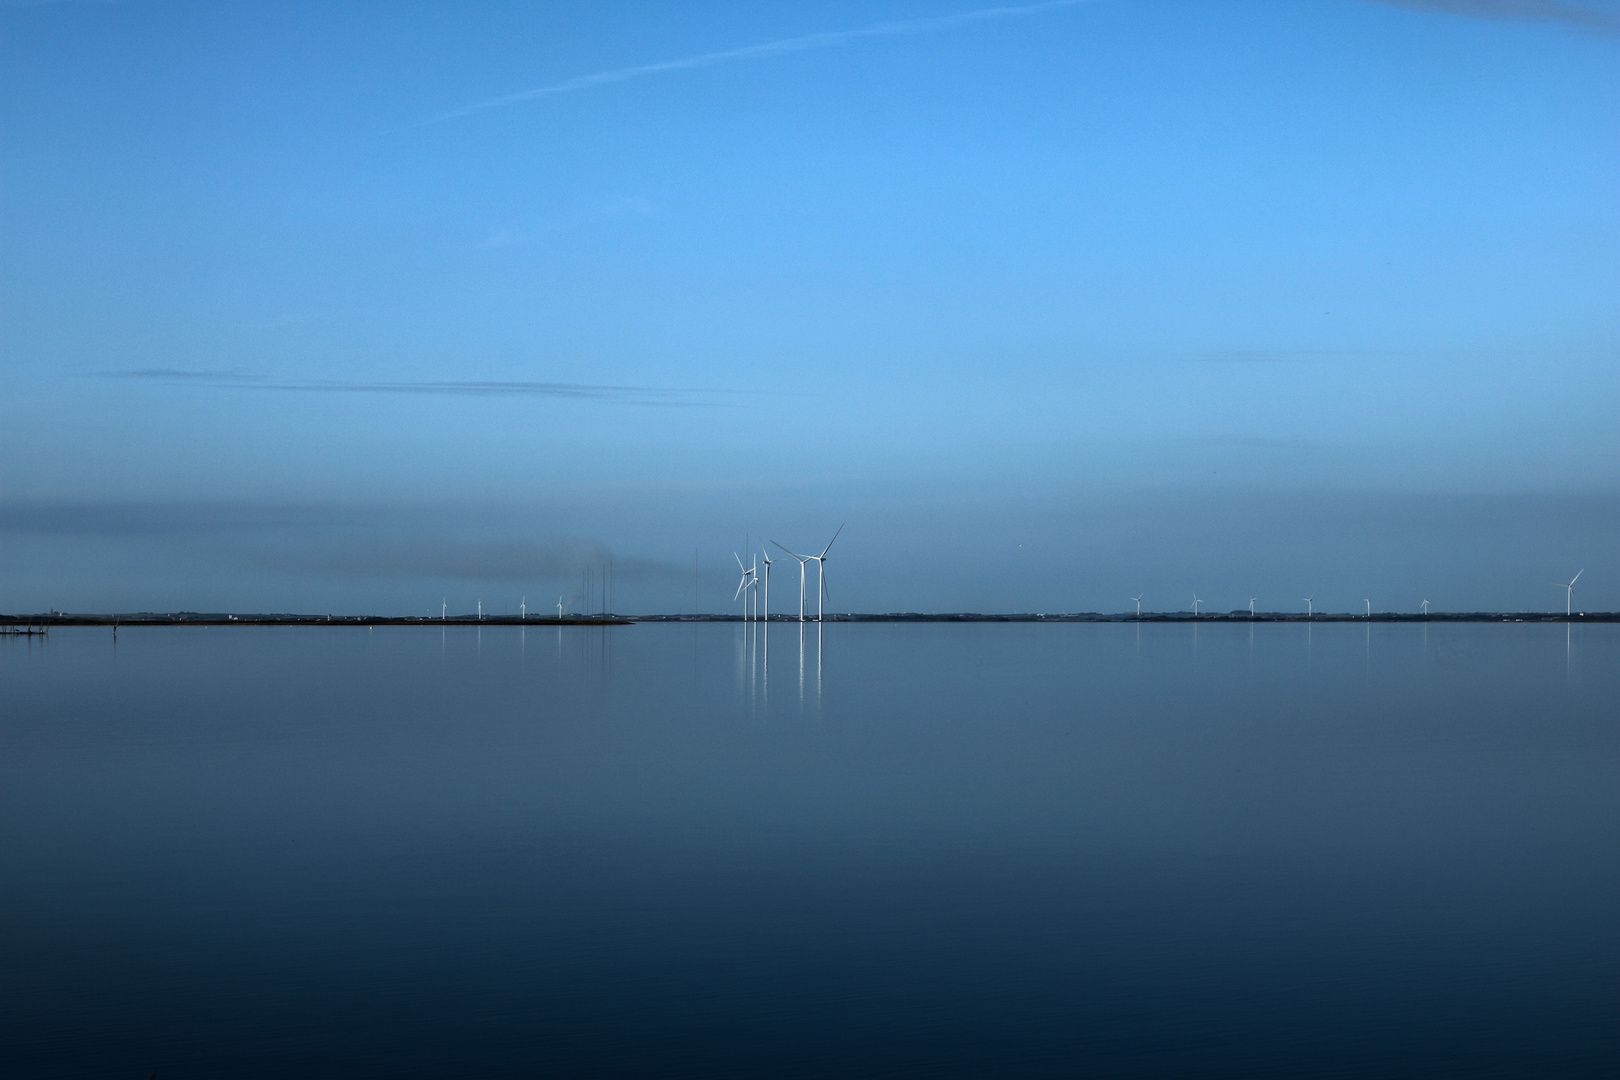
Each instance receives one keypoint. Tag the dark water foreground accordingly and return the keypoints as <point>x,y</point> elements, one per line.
<point>930,850</point>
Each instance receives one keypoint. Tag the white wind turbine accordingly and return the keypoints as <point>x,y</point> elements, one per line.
<point>821,574</point>
<point>1425,607</point>
<point>802,560</point>
<point>742,586</point>
<point>1369,608</point>
<point>1310,606</point>
<point>523,608</point>
<point>1569,592</point>
<point>766,555</point>
<point>1252,599</point>
<point>1138,600</point>
<point>1196,602</point>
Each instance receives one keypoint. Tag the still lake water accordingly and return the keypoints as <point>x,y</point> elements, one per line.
<point>933,850</point>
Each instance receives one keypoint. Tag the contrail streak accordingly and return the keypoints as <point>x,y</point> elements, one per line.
<point>823,40</point>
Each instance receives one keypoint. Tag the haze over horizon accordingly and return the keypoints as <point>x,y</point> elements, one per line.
<point>314,307</point>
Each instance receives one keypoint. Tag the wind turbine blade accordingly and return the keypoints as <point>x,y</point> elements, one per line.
<point>1574,579</point>
<point>795,554</point>
<point>831,542</point>
<point>740,566</point>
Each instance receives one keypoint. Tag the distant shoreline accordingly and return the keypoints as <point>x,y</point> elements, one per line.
<point>194,618</point>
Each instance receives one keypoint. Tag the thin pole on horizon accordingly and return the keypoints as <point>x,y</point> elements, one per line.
<point>1310,605</point>
<point>480,611</point>
<point>523,609</point>
<point>1369,608</point>
<point>1252,599</point>
<point>1569,592</point>
<point>444,606</point>
<point>1425,609</point>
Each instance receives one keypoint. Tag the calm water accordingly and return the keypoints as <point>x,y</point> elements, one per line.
<point>931,850</point>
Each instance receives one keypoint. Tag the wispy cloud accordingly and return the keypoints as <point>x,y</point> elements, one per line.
<point>163,518</point>
<point>507,559</point>
<point>1263,356</point>
<point>624,395</point>
<point>342,541</point>
<point>173,375</point>
<point>50,3</point>
<point>1599,17</point>
<point>804,43</point>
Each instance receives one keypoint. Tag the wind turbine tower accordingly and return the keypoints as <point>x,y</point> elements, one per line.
<point>1569,592</point>
<point>1252,599</point>
<point>1310,606</point>
<point>821,574</point>
<point>742,586</point>
<point>802,560</point>
<point>1138,600</point>
<point>766,555</point>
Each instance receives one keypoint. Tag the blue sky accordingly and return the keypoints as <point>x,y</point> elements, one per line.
<point>358,306</point>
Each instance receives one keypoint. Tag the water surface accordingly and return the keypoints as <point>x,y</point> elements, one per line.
<point>942,850</point>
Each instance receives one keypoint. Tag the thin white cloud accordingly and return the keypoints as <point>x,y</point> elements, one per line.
<point>824,40</point>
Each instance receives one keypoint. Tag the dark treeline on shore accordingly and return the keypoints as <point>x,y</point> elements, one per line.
<point>196,618</point>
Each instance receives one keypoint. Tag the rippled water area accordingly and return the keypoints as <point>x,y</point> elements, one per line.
<point>698,850</point>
